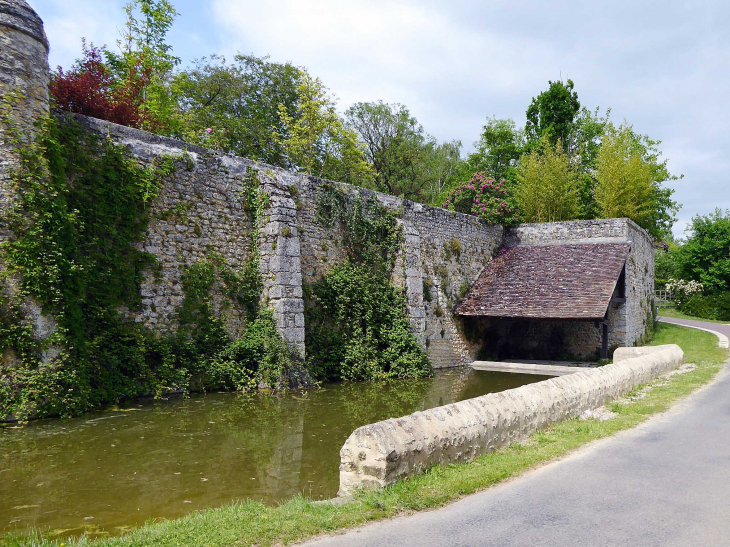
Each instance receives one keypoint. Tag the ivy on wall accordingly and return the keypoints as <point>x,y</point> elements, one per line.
<point>357,327</point>
<point>81,203</point>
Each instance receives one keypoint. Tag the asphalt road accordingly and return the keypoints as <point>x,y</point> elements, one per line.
<point>664,483</point>
<point>722,328</point>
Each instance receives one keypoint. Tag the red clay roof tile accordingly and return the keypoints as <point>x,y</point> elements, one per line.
<point>572,281</point>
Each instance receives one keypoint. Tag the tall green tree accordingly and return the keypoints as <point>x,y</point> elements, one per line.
<point>235,106</point>
<point>585,142</point>
<point>639,150</point>
<point>408,162</point>
<point>498,150</point>
<point>663,209</point>
<point>145,56</point>
<point>440,165</point>
<point>547,184</point>
<point>624,180</point>
<point>317,142</point>
<point>552,113</point>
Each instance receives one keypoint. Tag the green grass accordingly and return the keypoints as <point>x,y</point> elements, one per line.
<point>250,523</point>
<point>676,314</point>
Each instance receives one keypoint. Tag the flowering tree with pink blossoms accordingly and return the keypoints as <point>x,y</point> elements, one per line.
<point>483,197</point>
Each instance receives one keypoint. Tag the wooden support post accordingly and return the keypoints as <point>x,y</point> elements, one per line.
<point>604,340</point>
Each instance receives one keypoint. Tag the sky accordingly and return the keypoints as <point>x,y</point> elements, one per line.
<point>660,65</point>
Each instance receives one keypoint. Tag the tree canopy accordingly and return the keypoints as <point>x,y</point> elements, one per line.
<point>408,162</point>
<point>279,114</point>
<point>317,142</point>
<point>240,103</point>
<point>623,177</point>
<point>498,149</point>
<point>143,49</point>
<point>553,113</point>
<point>547,184</point>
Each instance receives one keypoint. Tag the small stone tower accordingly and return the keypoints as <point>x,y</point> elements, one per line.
<point>24,75</point>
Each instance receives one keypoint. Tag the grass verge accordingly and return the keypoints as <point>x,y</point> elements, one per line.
<point>676,314</point>
<point>251,523</point>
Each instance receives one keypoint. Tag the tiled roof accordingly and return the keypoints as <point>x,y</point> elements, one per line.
<point>548,282</point>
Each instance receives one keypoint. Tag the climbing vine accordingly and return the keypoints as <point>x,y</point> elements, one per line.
<point>80,205</point>
<point>357,326</point>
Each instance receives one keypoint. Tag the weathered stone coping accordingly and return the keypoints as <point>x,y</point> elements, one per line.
<point>378,454</point>
<point>525,368</point>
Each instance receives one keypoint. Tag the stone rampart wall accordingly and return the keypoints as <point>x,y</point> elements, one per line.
<point>442,254</point>
<point>379,454</point>
<point>200,211</point>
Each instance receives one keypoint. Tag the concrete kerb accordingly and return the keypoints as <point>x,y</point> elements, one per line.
<point>379,454</point>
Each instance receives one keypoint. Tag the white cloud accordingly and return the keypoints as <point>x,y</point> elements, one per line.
<point>404,52</point>
<point>67,21</point>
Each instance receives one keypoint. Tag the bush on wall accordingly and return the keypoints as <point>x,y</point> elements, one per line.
<point>357,327</point>
<point>483,197</point>
<point>359,330</point>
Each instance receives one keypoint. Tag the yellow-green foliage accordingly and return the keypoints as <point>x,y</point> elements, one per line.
<point>547,188</point>
<point>623,177</point>
<point>317,141</point>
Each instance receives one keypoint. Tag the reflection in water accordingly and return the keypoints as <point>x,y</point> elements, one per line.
<point>114,469</point>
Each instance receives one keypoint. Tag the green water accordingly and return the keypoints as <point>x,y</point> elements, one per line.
<point>114,469</point>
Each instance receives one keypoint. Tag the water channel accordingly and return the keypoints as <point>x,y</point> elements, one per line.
<point>114,469</point>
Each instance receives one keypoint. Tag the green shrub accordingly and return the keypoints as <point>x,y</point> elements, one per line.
<point>716,307</point>
<point>452,248</point>
<point>357,327</point>
<point>455,247</point>
<point>259,357</point>
<point>427,284</point>
<point>464,289</point>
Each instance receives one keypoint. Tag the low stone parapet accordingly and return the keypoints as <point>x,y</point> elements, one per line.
<point>379,454</point>
<point>622,354</point>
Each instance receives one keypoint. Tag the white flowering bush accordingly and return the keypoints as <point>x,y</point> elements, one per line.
<point>683,290</point>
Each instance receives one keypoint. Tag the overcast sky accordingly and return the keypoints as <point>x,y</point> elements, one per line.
<point>661,65</point>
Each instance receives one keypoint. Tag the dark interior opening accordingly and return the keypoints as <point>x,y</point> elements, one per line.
<point>505,339</point>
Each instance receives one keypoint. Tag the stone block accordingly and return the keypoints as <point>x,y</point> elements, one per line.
<point>288,278</point>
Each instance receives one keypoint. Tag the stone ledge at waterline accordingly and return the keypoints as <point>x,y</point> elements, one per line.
<point>378,454</point>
